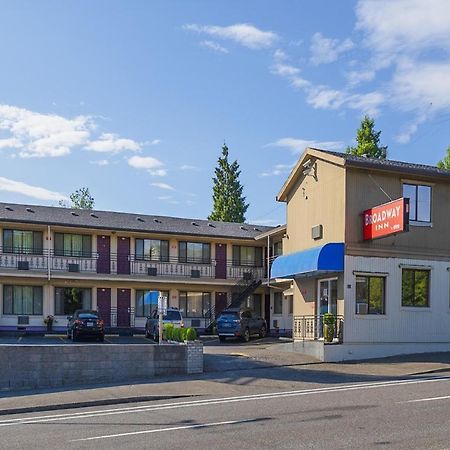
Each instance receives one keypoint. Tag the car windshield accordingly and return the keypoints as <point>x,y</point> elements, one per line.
<point>172,315</point>
<point>87,316</point>
<point>229,315</point>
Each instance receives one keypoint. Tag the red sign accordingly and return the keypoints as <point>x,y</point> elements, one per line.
<point>383,220</point>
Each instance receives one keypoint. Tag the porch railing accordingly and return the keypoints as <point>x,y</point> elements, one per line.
<point>311,328</point>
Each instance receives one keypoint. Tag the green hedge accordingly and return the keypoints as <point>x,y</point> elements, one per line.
<point>172,333</point>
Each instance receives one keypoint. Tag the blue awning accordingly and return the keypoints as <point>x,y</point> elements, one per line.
<point>314,261</point>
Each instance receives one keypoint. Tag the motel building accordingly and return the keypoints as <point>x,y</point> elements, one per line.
<point>55,260</point>
<point>367,241</point>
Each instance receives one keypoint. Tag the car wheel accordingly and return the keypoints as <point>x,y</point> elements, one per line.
<point>246,335</point>
<point>155,335</point>
<point>147,334</point>
<point>262,331</point>
<point>222,338</point>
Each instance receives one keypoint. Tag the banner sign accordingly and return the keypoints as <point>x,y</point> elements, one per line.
<point>162,304</point>
<point>384,220</point>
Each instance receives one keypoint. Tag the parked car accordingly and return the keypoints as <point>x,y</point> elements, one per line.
<point>85,323</point>
<point>173,316</point>
<point>234,322</point>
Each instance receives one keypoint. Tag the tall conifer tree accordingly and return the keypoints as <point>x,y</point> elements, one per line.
<point>228,202</point>
<point>368,141</point>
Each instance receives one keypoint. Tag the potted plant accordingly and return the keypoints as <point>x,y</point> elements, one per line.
<point>49,322</point>
<point>329,321</point>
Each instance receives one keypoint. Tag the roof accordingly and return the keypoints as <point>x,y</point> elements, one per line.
<point>278,230</point>
<point>119,221</point>
<point>348,160</point>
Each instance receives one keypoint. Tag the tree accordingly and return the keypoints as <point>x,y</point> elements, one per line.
<point>81,199</point>
<point>228,203</point>
<point>368,141</point>
<point>445,162</point>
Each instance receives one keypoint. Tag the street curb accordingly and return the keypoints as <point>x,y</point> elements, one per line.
<point>87,404</point>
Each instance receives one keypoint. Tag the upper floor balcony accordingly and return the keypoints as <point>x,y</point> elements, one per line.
<point>105,265</point>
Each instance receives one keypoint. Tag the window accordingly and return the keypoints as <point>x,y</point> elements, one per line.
<point>17,241</point>
<point>278,303</point>
<point>147,302</point>
<point>194,252</point>
<point>291,304</point>
<point>419,202</point>
<point>22,300</point>
<point>370,295</point>
<point>195,304</point>
<point>254,303</point>
<point>247,256</point>
<point>73,245</point>
<point>415,287</point>
<point>278,248</point>
<point>68,300</point>
<point>152,250</point>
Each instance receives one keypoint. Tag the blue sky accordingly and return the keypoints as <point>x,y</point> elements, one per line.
<point>134,99</point>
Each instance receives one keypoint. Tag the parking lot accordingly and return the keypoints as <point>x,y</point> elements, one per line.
<point>58,339</point>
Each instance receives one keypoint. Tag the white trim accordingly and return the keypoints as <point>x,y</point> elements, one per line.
<point>416,223</point>
<point>370,274</point>
<point>415,266</point>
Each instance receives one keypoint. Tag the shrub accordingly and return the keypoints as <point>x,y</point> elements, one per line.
<point>176,334</point>
<point>168,331</point>
<point>183,332</point>
<point>191,334</point>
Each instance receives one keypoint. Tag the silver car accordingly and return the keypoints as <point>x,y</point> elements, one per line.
<point>173,316</point>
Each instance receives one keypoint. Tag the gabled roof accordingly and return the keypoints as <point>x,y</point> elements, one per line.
<point>347,160</point>
<point>119,221</point>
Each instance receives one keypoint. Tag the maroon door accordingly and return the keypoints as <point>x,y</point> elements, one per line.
<point>221,302</point>
<point>221,261</point>
<point>123,255</point>
<point>104,305</point>
<point>104,254</point>
<point>123,307</point>
<point>267,310</point>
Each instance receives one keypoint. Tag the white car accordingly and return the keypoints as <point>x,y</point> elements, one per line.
<point>173,316</point>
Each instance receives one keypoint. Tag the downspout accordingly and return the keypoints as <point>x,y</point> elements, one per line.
<point>49,238</point>
<point>268,261</point>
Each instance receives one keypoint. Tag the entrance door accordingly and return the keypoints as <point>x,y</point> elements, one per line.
<point>104,305</point>
<point>123,255</point>
<point>221,302</point>
<point>327,296</point>
<point>123,307</point>
<point>221,261</point>
<point>104,254</point>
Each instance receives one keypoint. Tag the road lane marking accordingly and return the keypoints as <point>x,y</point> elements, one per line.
<point>429,399</point>
<point>160,430</point>
<point>215,401</point>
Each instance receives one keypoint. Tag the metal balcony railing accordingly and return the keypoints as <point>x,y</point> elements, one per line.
<point>311,328</point>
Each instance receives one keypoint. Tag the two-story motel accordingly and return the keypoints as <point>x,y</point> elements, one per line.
<point>367,240</point>
<point>56,260</point>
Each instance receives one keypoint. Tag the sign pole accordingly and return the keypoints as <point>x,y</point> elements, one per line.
<point>162,309</point>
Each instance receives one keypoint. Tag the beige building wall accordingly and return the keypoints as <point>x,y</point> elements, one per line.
<point>424,241</point>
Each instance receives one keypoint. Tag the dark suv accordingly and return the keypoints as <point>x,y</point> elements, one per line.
<point>85,323</point>
<point>239,323</point>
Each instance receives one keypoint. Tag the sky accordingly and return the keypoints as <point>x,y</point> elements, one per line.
<point>135,98</point>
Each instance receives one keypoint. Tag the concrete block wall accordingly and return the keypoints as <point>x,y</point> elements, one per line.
<point>39,366</point>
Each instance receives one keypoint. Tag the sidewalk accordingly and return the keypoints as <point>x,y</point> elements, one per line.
<point>229,371</point>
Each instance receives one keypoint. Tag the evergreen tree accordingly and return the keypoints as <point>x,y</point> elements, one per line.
<point>228,203</point>
<point>445,162</point>
<point>368,141</point>
<point>81,199</point>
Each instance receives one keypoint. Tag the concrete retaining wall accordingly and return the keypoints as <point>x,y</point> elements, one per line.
<point>38,366</point>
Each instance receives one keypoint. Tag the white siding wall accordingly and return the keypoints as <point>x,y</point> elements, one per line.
<point>399,324</point>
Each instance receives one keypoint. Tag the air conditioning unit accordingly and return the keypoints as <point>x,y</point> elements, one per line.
<point>23,265</point>
<point>74,267</point>
<point>195,323</point>
<point>195,273</point>
<point>23,320</point>
<point>362,308</point>
<point>152,271</point>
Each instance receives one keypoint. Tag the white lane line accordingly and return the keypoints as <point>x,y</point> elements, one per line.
<point>160,430</point>
<point>214,401</point>
<point>430,399</point>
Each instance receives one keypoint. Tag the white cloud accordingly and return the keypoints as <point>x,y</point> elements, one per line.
<point>154,142</point>
<point>10,143</point>
<point>168,199</point>
<point>101,162</point>
<point>242,33</point>
<point>355,77</point>
<point>299,145</point>
<point>43,135</point>
<point>111,143</point>
<point>216,47</point>
<point>19,187</point>
<point>325,50</point>
<point>289,72</point>
<point>279,169</point>
<point>153,166</point>
<point>188,167</point>
<point>164,186</point>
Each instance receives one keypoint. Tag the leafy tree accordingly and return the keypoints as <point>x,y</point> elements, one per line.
<point>228,202</point>
<point>368,141</point>
<point>445,162</point>
<point>81,199</point>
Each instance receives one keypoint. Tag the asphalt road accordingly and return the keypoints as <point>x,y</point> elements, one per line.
<point>412,413</point>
